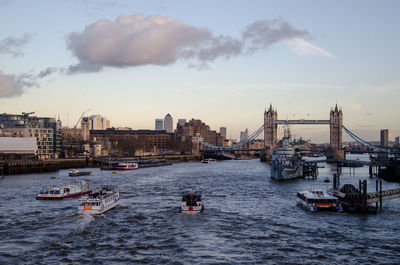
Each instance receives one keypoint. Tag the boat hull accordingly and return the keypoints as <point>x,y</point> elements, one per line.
<point>192,209</point>
<point>97,210</point>
<point>81,173</point>
<point>48,197</point>
<point>124,168</point>
<point>281,172</point>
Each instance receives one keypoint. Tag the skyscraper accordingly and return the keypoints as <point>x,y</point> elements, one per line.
<point>159,125</point>
<point>397,141</point>
<point>222,131</point>
<point>181,122</point>
<point>244,135</point>
<point>98,122</point>
<point>384,138</point>
<point>168,123</point>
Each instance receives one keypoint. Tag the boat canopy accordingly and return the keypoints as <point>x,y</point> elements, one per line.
<point>192,193</point>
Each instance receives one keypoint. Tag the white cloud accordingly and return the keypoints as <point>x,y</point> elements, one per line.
<point>304,48</point>
<point>158,40</point>
<point>9,86</point>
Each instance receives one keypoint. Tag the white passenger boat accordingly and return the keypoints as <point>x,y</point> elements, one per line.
<point>191,202</point>
<point>99,201</point>
<point>209,161</point>
<point>317,200</point>
<point>73,189</point>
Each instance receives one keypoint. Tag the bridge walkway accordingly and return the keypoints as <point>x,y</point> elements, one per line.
<point>386,195</point>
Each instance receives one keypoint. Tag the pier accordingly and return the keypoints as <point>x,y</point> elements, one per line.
<point>360,200</point>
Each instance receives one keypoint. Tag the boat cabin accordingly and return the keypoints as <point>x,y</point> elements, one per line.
<point>191,197</point>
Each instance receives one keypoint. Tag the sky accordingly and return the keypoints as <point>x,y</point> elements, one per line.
<point>223,62</point>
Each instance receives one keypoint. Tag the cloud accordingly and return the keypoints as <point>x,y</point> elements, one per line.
<point>49,71</point>
<point>15,85</point>
<point>303,48</point>
<point>13,46</point>
<point>11,86</point>
<point>158,40</point>
<point>389,87</point>
<point>264,33</point>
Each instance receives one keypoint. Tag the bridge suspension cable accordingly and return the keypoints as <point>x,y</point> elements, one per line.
<point>363,142</point>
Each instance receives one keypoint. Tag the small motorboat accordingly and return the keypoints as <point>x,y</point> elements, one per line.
<point>209,161</point>
<point>76,173</point>
<point>192,202</point>
<point>327,180</point>
<point>98,202</point>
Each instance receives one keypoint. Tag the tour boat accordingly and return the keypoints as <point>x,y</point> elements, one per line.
<point>209,161</point>
<point>191,202</point>
<point>75,173</point>
<point>98,202</point>
<point>286,164</point>
<point>74,189</point>
<point>125,166</point>
<point>318,200</point>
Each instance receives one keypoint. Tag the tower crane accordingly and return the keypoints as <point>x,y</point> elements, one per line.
<point>26,114</point>
<point>81,118</point>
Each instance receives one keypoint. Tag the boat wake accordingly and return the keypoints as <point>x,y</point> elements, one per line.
<point>84,220</point>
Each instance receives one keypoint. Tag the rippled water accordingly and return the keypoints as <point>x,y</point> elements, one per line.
<point>248,219</point>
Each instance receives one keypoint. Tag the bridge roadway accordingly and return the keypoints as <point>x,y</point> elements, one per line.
<point>302,121</point>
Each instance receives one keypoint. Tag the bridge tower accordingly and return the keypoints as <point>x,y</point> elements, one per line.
<point>336,122</point>
<point>270,128</point>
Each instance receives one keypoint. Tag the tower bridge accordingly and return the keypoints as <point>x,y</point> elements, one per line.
<point>335,123</point>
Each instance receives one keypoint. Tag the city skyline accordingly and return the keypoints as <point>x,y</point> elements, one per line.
<point>230,62</point>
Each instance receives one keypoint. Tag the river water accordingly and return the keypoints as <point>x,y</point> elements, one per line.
<point>248,219</point>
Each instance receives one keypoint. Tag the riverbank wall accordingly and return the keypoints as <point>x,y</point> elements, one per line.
<point>42,166</point>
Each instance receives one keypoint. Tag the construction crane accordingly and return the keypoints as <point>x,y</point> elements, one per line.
<point>26,114</point>
<point>81,118</point>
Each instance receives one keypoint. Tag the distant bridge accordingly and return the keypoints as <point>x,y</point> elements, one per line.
<point>301,121</point>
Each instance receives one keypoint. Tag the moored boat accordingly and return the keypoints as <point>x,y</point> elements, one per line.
<point>125,166</point>
<point>73,189</point>
<point>98,202</point>
<point>318,200</point>
<point>209,161</point>
<point>192,202</point>
<point>76,173</point>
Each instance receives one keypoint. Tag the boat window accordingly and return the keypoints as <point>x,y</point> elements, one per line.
<point>42,192</point>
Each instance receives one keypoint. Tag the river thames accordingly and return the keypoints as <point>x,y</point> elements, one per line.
<point>248,219</point>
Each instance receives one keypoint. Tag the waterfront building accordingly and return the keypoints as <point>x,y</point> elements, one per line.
<point>168,123</point>
<point>12,148</point>
<point>198,129</point>
<point>47,131</point>
<point>132,141</point>
<point>385,138</point>
<point>222,131</point>
<point>159,124</point>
